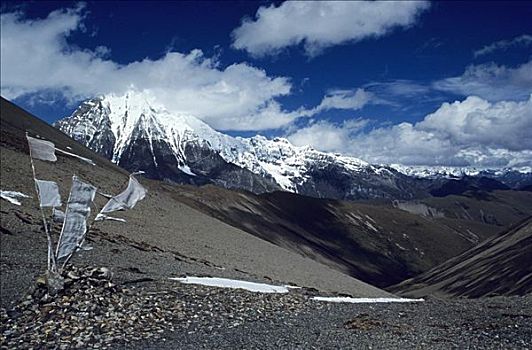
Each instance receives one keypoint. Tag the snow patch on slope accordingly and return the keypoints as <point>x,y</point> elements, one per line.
<point>234,284</point>
<point>365,300</point>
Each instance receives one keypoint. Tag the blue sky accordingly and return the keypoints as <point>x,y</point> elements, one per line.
<point>412,82</point>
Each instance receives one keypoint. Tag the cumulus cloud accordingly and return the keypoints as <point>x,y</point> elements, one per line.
<point>321,24</point>
<point>491,81</point>
<point>472,132</point>
<point>524,40</point>
<point>37,60</point>
<point>327,136</point>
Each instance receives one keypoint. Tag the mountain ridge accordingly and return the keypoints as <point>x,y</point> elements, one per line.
<point>515,178</point>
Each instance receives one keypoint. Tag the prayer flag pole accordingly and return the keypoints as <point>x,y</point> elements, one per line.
<point>51,257</point>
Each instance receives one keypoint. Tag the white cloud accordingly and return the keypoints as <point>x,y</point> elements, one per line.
<point>491,81</point>
<point>38,63</point>
<point>327,136</point>
<point>354,99</point>
<point>524,40</point>
<point>472,132</point>
<point>474,121</point>
<point>399,88</point>
<point>36,59</point>
<point>321,24</point>
<point>345,99</point>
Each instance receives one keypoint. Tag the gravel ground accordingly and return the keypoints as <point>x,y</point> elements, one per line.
<point>171,315</point>
<point>495,323</point>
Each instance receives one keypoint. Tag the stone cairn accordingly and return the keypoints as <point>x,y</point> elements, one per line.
<point>89,311</point>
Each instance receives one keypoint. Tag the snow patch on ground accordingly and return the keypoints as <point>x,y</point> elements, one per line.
<point>370,226</point>
<point>235,284</point>
<point>365,300</point>
<point>11,196</point>
<point>293,287</point>
<point>186,169</point>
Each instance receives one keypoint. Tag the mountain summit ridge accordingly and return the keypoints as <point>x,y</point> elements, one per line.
<point>136,132</point>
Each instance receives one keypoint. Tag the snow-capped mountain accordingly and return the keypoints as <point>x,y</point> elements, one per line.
<point>430,172</point>
<point>137,133</point>
<point>515,178</point>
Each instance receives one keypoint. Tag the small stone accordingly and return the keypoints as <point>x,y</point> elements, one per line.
<point>41,280</point>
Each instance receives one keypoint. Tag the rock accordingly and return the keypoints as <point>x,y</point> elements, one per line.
<point>55,283</point>
<point>73,275</point>
<point>101,273</point>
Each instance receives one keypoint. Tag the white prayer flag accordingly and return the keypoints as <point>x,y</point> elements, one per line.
<point>41,149</point>
<point>48,193</point>
<point>127,199</point>
<point>101,217</point>
<point>76,214</point>
<point>11,196</point>
<point>86,160</point>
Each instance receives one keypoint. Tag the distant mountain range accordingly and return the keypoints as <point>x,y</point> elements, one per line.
<point>515,178</point>
<point>136,133</point>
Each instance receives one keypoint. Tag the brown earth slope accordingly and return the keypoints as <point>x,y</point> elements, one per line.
<point>501,265</point>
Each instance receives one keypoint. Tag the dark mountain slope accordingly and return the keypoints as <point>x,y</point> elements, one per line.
<point>498,266</point>
<point>468,183</point>
<point>376,243</point>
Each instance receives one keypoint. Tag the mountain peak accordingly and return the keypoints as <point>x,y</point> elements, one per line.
<point>138,133</point>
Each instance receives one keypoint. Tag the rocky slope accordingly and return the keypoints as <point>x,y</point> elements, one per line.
<point>479,184</point>
<point>378,244</point>
<point>136,133</point>
<point>165,316</point>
